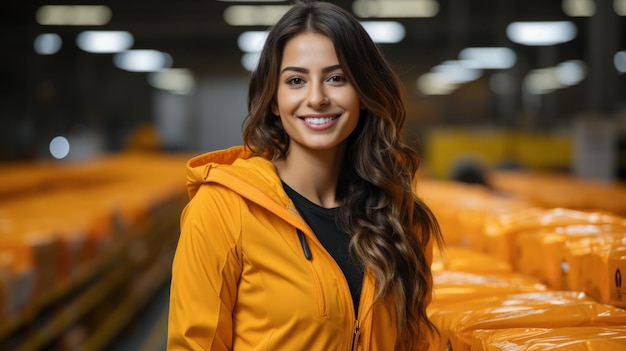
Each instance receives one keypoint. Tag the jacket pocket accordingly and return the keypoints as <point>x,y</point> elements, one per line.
<point>319,292</point>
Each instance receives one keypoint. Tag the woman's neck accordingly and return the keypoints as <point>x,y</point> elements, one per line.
<point>313,175</point>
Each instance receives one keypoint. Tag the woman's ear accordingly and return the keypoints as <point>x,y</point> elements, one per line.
<point>275,109</point>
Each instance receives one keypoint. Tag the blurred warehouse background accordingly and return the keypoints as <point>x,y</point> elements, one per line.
<point>102,103</point>
<point>532,83</point>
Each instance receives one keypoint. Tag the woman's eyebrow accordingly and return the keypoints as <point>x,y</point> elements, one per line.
<point>305,70</point>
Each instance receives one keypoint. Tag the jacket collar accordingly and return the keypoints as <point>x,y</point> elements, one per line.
<point>252,177</point>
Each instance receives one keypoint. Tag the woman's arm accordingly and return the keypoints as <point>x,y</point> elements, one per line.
<point>205,273</point>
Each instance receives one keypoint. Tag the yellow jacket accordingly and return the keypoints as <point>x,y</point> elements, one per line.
<point>241,280</point>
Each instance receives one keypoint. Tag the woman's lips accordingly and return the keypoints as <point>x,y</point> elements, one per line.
<point>320,122</point>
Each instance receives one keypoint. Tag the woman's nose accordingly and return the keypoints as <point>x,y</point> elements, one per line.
<point>317,96</point>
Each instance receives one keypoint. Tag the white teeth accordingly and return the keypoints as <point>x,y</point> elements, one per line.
<point>315,120</point>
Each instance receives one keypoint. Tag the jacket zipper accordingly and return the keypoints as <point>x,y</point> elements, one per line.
<point>356,333</point>
<point>365,308</point>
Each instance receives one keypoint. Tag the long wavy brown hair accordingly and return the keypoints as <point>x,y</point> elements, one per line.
<point>390,226</point>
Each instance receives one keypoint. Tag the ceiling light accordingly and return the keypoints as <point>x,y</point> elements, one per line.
<point>395,8</point>
<point>579,8</point>
<point>73,15</point>
<point>620,7</point>
<point>252,41</point>
<point>433,83</point>
<point>142,60</point>
<point>549,79</point>
<point>175,80</point>
<point>571,72</point>
<point>59,147</point>
<point>542,81</point>
<point>384,31</point>
<point>250,61</point>
<point>254,15</point>
<point>457,72</point>
<point>620,61</point>
<point>47,44</point>
<point>488,57</point>
<point>104,41</point>
<point>541,33</point>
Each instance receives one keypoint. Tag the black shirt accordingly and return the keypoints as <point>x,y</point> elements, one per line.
<point>322,222</point>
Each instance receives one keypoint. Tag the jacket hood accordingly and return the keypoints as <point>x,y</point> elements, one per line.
<point>251,176</point>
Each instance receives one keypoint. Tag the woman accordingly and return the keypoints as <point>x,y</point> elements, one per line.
<point>309,237</point>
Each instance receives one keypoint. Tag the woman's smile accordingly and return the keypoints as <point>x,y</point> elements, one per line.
<point>321,122</point>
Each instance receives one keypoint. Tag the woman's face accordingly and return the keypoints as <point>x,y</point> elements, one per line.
<point>318,107</point>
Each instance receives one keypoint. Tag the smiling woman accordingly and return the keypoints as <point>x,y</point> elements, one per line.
<point>309,236</point>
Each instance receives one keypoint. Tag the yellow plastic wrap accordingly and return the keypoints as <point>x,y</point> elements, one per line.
<point>70,219</point>
<point>550,309</point>
<point>451,287</point>
<point>552,190</point>
<point>549,339</point>
<point>445,199</point>
<point>461,208</point>
<point>549,244</point>
<point>472,219</point>
<point>576,251</point>
<point>35,252</point>
<point>17,283</point>
<point>601,271</point>
<point>463,259</point>
<point>501,230</point>
<point>56,219</point>
<point>616,271</point>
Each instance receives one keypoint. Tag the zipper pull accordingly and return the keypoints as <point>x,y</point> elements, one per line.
<point>305,246</point>
<point>356,333</point>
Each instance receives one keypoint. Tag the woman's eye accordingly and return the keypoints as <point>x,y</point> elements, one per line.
<point>295,81</point>
<point>337,79</point>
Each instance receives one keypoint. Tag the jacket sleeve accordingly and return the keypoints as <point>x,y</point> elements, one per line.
<point>205,272</point>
